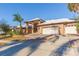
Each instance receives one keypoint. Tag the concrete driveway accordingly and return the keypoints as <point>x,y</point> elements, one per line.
<point>37,47</point>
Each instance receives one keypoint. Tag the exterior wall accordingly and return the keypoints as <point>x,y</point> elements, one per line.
<point>40,30</point>
<point>34,28</point>
<point>61,27</point>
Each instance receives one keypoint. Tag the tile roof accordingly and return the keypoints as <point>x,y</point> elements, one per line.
<point>57,21</point>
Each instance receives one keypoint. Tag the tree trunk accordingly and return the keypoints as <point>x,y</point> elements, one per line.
<point>20,28</point>
<point>78,31</point>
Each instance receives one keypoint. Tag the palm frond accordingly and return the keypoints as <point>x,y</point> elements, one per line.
<point>17,18</point>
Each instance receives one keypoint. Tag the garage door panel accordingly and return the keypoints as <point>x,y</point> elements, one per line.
<point>50,31</point>
<point>70,30</point>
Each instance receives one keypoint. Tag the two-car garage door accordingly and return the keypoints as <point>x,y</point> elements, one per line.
<point>50,30</point>
<point>55,30</point>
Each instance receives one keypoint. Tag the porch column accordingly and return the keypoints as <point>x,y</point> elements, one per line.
<point>62,29</point>
<point>32,28</point>
<point>27,28</point>
<point>39,30</point>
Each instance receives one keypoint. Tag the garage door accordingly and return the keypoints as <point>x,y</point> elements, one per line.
<point>53,30</point>
<point>70,30</point>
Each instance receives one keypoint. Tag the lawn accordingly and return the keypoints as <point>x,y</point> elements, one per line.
<point>4,40</point>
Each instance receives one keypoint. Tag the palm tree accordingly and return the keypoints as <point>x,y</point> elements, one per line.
<point>74,7</point>
<point>18,18</point>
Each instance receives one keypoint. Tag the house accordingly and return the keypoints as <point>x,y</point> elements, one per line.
<point>55,26</point>
<point>59,26</point>
<point>32,26</point>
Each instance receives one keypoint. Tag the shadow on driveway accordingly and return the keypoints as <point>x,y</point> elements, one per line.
<point>60,51</point>
<point>11,51</point>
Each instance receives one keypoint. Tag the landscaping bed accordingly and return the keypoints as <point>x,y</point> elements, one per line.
<point>4,42</point>
<point>4,36</point>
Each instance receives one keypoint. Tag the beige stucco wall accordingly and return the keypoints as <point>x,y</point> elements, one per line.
<point>61,27</point>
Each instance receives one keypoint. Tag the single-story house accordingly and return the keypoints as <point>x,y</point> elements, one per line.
<point>55,26</point>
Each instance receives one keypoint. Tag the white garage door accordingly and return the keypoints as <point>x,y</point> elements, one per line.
<point>53,30</point>
<point>70,30</point>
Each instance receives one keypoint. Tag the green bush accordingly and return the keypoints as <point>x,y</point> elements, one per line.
<point>15,32</point>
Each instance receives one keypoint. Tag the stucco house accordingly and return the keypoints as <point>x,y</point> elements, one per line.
<point>55,26</point>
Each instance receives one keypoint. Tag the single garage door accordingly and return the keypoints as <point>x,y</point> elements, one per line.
<point>51,30</point>
<point>70,30</point>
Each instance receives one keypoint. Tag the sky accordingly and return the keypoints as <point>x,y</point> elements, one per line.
<point>28,11</point>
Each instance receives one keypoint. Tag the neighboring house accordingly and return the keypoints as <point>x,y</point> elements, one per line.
<point>17,28</point>
<point>55,26</point>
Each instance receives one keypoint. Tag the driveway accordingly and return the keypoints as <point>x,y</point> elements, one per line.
<point>37,47</point>
<point>69,48</point>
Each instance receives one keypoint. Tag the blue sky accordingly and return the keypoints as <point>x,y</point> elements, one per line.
<point>34,10</point>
